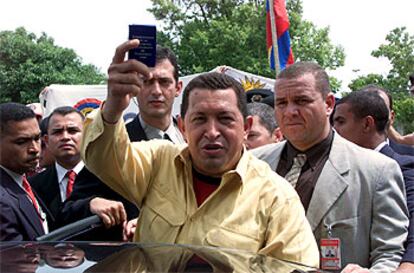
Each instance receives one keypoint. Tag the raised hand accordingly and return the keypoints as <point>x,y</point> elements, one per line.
<point>125,80</point>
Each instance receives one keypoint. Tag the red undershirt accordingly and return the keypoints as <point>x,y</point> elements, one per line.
<point>204,186</point>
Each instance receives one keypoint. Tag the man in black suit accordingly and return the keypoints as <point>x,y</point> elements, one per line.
<point>21,215</point>
<point>55,184</point>
<point>154,120</point>
<point>363,117</point>
<point>401,149</point>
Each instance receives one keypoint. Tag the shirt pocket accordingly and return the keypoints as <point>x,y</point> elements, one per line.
<point>338,226</point>
<point>228,238</point>
<point>161,219</point>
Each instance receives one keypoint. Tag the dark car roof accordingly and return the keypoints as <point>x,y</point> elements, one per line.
<point>132,257</point>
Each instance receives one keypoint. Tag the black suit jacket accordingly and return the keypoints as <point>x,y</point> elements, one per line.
<point>135,130</point>
<point>402,149</point>
<point>18,217</point>
<point>47,188</point>
<point>89,186</point>
<point>407,167</point>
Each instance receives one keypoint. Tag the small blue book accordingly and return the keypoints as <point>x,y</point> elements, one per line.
<point>146,51</point>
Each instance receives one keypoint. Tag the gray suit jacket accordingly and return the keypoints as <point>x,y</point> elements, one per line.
<point>360,194</point>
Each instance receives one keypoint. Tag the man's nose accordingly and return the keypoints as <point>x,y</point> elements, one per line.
<point>156,89</point>
<point>291,109</point>
<point>212,130</point>
<point>34,146</point>
<point>65,135</point>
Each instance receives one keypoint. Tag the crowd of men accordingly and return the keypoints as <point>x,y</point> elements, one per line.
<point>321,184</point>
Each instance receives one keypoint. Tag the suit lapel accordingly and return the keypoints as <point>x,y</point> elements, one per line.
<point>29,211</point>
<point>135,130</point>
<point>331,183</point>
<point>26,207</point>
<point>56,201</point>
<point>277,155</point>
<point>50,191</point>
<point>388,151</point>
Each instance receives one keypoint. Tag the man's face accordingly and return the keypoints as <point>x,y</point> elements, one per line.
<point>347,125</point>
<point>302,112</point>
<point>214,129</point>
<point>64,256</point>
<point>258,135</point>
<point>157,97</point>
<point>64,137</point>
<point>20,145</point>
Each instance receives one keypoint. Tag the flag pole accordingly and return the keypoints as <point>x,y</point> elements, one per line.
<point>274,37</point>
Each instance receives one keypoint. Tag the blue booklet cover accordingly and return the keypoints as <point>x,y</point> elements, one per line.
<point>145,52</point>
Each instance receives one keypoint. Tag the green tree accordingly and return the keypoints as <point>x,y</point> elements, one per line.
<point>404,109</point>
<point>399,50</point>
<point>208,33</point>
<point>29,63</point>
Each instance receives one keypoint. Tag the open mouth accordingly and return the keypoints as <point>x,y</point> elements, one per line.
<point>212,149</point>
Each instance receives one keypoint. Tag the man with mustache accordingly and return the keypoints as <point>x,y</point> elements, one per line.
<point>63,138</point>
<point>21,215</point>
<point>209,192</point>
<point>353,197</point>
<point>56,184</point>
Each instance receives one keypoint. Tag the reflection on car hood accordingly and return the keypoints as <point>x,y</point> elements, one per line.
<point>132,257</point>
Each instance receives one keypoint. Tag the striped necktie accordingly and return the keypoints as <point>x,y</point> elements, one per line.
<point>71,179</point>
<point>294,172</point>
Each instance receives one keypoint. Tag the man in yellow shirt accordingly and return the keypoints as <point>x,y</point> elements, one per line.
<point>210,191</point>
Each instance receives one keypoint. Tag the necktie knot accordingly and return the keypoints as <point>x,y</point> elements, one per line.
<point>167,137</point>
<point>71,175</point>
<point>300,160</point>
<point>293,174</point>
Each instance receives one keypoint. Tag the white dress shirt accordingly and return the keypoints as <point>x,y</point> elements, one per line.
<point>63,179</point>
<point>154,133</point>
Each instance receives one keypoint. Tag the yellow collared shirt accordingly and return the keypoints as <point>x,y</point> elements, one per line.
<point>253,209</point>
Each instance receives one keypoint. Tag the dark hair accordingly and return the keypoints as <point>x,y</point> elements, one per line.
<point>63,111</point>
<point>377,89</point>
<point>364,104</point>
<point>12,111</point>
<point>43,125</point>
<point>299,69</point>
<point>164,53</point>
<point>411,77</point>
<point>265,113</point>
<point>215,81</point>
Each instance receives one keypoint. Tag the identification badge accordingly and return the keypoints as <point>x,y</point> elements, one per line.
<point>330,254</point>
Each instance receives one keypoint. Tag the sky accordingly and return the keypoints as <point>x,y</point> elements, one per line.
<point>95,28</point>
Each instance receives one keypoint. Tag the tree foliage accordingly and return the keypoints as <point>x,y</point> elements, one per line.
<point>399,50</point>
<point>208,33</point>
<point>404,109</point>
<point>29,63</point>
